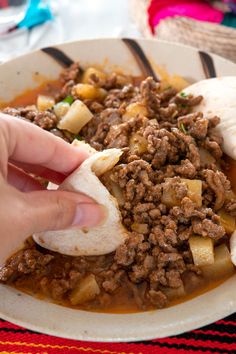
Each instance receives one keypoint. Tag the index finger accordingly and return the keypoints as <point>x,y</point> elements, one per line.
<point>25,142</point>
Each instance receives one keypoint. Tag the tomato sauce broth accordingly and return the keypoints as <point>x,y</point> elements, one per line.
<point>122,300</point>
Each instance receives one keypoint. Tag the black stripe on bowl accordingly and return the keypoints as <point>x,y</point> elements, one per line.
<point>140,57</point>
<point>58,55</point>
<point>207,64</point>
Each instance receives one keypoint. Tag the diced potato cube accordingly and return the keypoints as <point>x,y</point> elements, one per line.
<point>140,228</point>
<point>194,186</point>
<point>86,290</point>
<point>76,118</point>
<point>174,293</point>
<point>230,195</point>
<point>61,108</point>
<point>123,80</point>
<point>232,245</point>
<point>167,80</point>
<point>115,190</point>
<point>169,197</point>
<point>206,157</point>
<point>92,71</point>
<point>45,102</point>
<point>134,109</point>
<point>31,107</point>
<point>138,144</point>
<point>87,91</point>
<point>222,267</point>
<point>194,190</point>
<point>202,250</point>
<point>192,281</point>
<point>178,82</point>
<point>227,221</point>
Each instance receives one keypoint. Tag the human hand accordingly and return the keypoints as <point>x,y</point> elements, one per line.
<point>25,207</point>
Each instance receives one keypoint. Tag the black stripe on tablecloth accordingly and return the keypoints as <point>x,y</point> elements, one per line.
<point>207,336</point>
<point>17,330</point>
<point>187,347</point>
<point>147,343</point>
<point>230,318</point>
<point>219,326</point>
<point>227,326</point>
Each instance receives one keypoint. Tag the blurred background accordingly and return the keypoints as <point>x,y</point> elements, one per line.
<point>56,21</point>
<point>30,24</point>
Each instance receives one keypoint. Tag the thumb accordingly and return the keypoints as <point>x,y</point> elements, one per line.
<point>56,210</point>
<point>23,214</point>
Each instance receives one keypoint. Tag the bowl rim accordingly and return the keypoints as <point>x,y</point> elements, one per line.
<point>101,39</point>
<point>147,333</point>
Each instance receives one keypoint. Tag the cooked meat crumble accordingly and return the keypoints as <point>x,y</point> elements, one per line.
<point>166,147</point>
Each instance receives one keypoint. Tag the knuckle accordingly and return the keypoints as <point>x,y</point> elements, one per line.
<point>23,220</point>
<point>65,210</point>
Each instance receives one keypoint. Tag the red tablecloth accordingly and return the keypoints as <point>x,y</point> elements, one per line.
<point>219,337</point>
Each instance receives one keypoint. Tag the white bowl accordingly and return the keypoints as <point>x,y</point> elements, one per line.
<point>134,57</point>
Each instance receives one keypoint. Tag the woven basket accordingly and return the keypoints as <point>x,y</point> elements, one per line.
<point>203,35</point>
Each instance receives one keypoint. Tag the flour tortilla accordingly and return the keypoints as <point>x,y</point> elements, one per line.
<point>99,240</point>
<point>219,98</point>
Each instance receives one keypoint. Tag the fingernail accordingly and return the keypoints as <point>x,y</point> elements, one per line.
<point>89,215</point>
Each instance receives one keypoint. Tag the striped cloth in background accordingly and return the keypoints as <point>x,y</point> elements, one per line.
<point>219,337</point>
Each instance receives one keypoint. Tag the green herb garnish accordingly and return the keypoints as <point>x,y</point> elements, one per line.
<point>183,94</point>
<point>68,99</point>
<point>182,127</point>
<point>78,137</point>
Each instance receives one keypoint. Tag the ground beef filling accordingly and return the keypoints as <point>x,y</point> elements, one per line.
<point>155,261</point>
